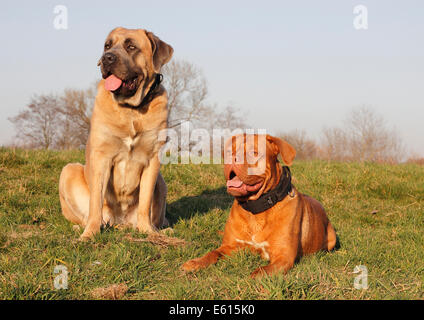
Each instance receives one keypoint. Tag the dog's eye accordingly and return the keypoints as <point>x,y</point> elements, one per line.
<point>107,46</point>
<point>131,47</point>
<point>252,153</point>
<point>252,156</point>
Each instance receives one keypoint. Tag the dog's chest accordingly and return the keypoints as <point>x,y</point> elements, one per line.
<point>128,165</point>
<point>260,246</point>
<point>130,142</point>
<point>139,147</point>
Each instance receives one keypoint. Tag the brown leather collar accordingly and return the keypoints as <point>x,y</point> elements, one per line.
<point>269,199</point>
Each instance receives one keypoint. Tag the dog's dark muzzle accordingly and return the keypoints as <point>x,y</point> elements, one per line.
<point>109,59</point>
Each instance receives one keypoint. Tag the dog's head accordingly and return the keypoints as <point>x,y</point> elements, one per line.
<point>251,164</point>
<point>130,61</point>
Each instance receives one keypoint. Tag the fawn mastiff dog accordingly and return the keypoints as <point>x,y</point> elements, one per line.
<point>120,182</point>
<point>268,214</point>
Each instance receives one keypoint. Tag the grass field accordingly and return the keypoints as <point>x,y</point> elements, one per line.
<point>377,211</point>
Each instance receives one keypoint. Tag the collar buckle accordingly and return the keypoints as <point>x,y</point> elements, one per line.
<point>270,201</point>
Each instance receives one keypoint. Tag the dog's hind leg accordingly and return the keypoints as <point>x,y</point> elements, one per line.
<point>159,204</point>
<point>331,237</point>
<point>74,194</point>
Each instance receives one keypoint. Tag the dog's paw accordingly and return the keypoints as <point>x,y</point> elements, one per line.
<point>167,231</point>
<point>88,234</point>
<point>270,270</point>
<point>192,265</point>
<point>85,238</point>
<point>259,273</point>
<point>147,228</point>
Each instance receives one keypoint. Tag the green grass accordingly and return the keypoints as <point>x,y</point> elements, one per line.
<point>35,237</point>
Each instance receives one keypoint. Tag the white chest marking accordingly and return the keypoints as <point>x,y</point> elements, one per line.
<point>121,166</point>
<point>257,245</point>
<point>129,142</point>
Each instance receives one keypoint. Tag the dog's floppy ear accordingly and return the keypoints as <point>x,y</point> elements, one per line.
<point>162,52</point>
<point>288,153</point>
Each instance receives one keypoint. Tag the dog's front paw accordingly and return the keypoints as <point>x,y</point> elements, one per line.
<point>271,269</point>
<point>89,233</point>
<point>84,238</point>
<point>260,272</point>
<point>147,228</point>
<point>192,265</point>
<point>167,231</point>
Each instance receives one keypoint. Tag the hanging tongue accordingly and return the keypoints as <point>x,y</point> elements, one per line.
<point>239,186</point>
<point>112,83</point>
<point>234,183</point>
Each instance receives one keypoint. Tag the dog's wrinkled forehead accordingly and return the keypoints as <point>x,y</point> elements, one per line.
<point>247,142</point>
<point>246,149</point>
<point>131,39</point>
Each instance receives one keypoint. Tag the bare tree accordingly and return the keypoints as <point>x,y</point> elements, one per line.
<point>365,137</point>
<point>55,121</point>
<point>187,99</point>
<point>229,117</point>
<point>187,92</point>
<point>36,125</point>
<point>75,107</point>
<point>333,144</point>
<point>306,148</point>
<point>369,137</point>
<point>188,104</point>
<point>416,159</point>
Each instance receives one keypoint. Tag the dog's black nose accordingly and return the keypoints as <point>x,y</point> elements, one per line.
<point>108,58</point>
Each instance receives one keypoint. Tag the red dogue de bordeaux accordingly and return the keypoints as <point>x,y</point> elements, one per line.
<point>268,215</point>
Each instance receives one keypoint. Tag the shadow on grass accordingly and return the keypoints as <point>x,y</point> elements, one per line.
<point>338,244</point>
<point>186,207</point>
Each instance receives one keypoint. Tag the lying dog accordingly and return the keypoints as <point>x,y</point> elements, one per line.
<point>268,214</point>
<point>120,182</point>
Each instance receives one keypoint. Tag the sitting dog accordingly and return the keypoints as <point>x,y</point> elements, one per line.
<point>120,182</point>
<point>268,214</point>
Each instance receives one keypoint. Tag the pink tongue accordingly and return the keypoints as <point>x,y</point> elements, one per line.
<point>112,83</point>
<point>234,183</point>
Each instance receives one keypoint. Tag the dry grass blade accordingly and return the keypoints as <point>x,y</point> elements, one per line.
<point>113,292</point>
<point>159,239</point>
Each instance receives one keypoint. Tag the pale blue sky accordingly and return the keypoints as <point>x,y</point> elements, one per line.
<point>289,64</point>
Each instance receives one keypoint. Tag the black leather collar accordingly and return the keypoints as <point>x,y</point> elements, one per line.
<point>149,96</point>
<point>269,199</point>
